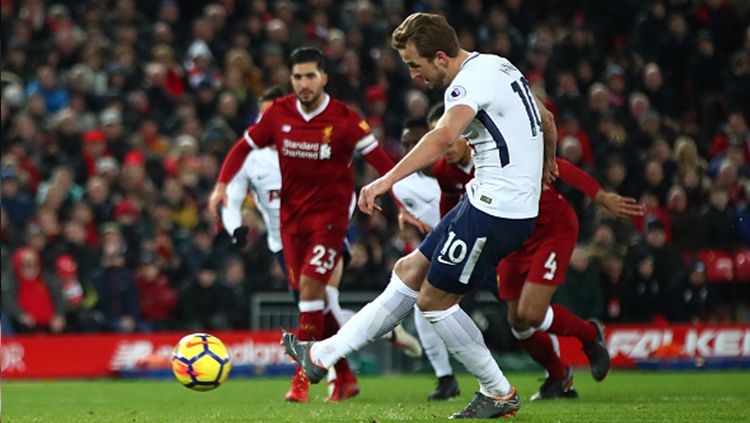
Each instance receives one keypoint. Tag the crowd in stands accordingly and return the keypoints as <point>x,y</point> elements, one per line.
<point>116,115</point>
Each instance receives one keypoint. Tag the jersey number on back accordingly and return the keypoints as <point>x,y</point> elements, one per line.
<point>522,90</point>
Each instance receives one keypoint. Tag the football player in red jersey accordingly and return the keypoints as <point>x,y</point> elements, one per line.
<point>316,137</point>
<point>528,278</point>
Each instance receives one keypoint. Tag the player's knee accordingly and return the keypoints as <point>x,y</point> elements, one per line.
<point>412,269</point>
<point>513,320</point>
<point>528,317</point>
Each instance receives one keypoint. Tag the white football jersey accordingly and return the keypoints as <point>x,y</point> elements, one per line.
<point>506,136</point>
<point>261,167</point>
<point>420,196</point>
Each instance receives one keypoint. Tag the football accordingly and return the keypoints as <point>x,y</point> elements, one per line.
<point>201,362</point>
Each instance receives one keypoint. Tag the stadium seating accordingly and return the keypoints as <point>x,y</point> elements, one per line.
<point>719,265</point>
<point>742,265</point>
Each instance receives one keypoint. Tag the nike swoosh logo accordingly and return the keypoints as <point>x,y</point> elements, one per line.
<point>443,261</point>
<point>194,344</point>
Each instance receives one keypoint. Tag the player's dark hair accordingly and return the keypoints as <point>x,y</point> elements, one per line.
<point>435,112</point>
<point>307,55</point>
<point>271,93</point>
<point>416,122</point>
<point>429,33</point>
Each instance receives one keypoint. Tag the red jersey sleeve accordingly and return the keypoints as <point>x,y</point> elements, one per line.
<point>233,161</point>
<point>255,136</point>
<point>366,143</point>
<point>260,134</point>
<point>578,179</point>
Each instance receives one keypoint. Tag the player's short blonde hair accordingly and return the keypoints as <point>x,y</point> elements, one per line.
<point>429,33</point>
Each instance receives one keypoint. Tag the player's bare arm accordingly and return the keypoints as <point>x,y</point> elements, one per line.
<point>549,129</point>
<point>622,207</point>
<point>404,218</point>
<point>427,151</point>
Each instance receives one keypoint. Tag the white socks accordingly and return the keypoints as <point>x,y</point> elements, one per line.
<point>464,340</point>
<point>380,316</point>
<point>332,304</point>
<point>310,306</point>
<point>546,323</point>
<point>433,346</point>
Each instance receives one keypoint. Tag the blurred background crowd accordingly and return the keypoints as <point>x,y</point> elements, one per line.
<point>116,115</point>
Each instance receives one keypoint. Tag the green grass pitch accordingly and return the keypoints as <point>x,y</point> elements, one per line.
<point>624,396</point>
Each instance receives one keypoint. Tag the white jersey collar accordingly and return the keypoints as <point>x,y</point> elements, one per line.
<point>308,116</point>
<point>473,55</point>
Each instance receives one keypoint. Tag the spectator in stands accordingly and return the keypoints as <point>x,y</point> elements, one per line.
<point>47,86</point>
<point>666,259</point>
<point>612,265</point>
<point>61,193</point>
<point>687,228</point>
<point>695,184</point>
<point>17,204</point>
<point>98,197</point>
<point>31,297</point>
<point>719,219</point>
<point>692,298</point>
<point>127,215</point>
<point>235,279</point>
<point>117,307</point>
<point>204,303</point>
<point>643,295</point>
<point>582,291</point>
<point>77,299</point>
<point>156,297</point>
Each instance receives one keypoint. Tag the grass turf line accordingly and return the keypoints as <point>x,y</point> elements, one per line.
<point>623,396</point>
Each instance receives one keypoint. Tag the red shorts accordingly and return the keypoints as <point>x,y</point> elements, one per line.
<point>313,254</point>
<point>543,258</point>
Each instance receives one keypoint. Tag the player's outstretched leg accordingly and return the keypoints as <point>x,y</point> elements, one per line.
<point>300,352</point>
<point>372,321</point>
<point>434,348</point>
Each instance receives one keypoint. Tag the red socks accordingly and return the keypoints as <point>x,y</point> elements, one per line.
<point>565,323</point>
<point>540,348</point>
<point>310,326</point>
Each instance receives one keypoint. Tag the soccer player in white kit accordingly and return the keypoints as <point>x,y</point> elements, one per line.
<point>259,174</point>
<point>488,101</point>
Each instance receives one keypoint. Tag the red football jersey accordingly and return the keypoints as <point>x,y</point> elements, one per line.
<point>315,156</point>
<point>452,180</point>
